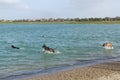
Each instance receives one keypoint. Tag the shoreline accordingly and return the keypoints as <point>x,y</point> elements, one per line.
<point>65,67</point>
<point>65,22</point>
<point>102,71</point>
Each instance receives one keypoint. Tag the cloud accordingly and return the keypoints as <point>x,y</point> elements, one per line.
<point>58,9</point>
<point>95,8</point>
<point>12,4</point>
<point>87,5</point>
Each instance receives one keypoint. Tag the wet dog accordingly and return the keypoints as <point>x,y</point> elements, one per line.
<point>12,46</point>
<point>48,49</point>
<point>108,45</point>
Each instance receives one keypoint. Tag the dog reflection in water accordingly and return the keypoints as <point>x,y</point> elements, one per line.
<point>108,45</point>
<point>47,49</point>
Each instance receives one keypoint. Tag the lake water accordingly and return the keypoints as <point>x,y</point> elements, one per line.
<point>74,44</point>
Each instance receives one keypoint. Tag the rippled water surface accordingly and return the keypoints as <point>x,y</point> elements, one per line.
<point>72,42</point>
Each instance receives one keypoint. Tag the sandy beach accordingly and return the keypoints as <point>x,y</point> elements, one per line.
<point>104,71</point>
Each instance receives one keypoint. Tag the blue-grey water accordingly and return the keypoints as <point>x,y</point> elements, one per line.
<point>74,43</point>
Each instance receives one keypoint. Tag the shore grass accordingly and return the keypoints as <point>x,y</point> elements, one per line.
<point>65,22</point>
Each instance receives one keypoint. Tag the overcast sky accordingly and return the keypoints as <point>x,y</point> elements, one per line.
<point>35,9</point>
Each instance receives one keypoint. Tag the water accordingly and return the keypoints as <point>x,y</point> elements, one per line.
<point>74,43</point>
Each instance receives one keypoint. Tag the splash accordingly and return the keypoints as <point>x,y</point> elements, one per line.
<point>48,52</point>
<point>107,47</point>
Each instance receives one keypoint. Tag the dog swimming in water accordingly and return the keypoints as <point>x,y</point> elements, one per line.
<point>108,45</point>
<point>48,49</point>
<point>12,46</point>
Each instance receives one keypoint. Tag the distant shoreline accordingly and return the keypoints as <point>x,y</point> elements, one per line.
<point>91,20</point>
<point>65,22</point>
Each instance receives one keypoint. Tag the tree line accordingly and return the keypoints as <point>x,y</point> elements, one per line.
<point>63,19</point>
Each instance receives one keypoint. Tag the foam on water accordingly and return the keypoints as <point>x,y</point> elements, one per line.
<point>48,52</point>
<point>106,47</point>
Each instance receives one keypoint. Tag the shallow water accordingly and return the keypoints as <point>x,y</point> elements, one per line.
<point>74,43</point>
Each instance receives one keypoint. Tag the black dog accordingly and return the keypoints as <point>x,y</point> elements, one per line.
<point>12,46</point>
<point>46,48</point>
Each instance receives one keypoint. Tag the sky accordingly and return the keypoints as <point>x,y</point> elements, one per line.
<point>36,9</point>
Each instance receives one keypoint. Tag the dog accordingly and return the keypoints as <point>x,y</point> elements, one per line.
<point>48,49</point>
<point>108,45</point>
<point>12,46</point>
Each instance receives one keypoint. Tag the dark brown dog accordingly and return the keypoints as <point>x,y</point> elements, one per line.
<point>46,48</point>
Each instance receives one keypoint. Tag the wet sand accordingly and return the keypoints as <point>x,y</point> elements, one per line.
<point>104,71</point>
